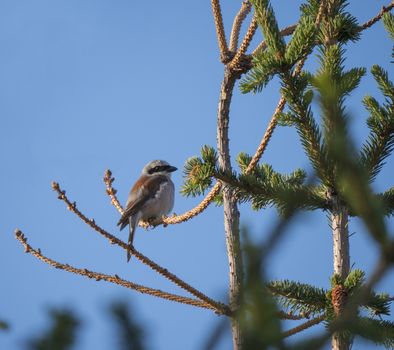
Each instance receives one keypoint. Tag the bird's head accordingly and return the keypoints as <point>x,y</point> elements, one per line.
<point>158,167</point>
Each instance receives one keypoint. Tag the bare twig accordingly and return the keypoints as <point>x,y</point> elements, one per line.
<point>377,18</point>
<point>267,136</point>
<point>239,18</point>
<point>217,15</point>
<point>109,278</point>
<point>108,180</point>
<point>303,326</point>
<point>245,43</point>
<point>222,308</point>
<point>72,206</point>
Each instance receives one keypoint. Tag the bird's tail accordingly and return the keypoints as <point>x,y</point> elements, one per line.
<point>133,221</point>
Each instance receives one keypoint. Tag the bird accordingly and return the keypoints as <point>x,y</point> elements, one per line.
<point>150,198</point>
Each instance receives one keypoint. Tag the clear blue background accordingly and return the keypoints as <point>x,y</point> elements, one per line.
<point>96,84</point>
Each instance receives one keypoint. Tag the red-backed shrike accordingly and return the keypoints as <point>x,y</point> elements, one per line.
<point>151,197</point>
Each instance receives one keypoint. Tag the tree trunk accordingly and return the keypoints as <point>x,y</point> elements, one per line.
<point>340,235</point>
<point>231,213</point>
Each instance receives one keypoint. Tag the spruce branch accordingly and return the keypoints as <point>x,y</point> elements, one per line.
<point>109,278</point>
<point>265,187</point>
<point>302,41</point>
<point>265,66</point>
<point>303,326</point>
<point>307,128</point>
<point>387,198</point>
<point>355,279</point>
<point>145,260</point>
<point>266,19</point>
<point>238,20</point>
<point>378,304</point>
<point>282,102</point>
<point>388,21</point>
<point>221,36</point>
<point>283,32</point>
<point>299,297</point>
<point>377,331</point>
<point>261,147</point>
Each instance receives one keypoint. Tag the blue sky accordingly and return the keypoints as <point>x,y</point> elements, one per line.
<point>96,84</point>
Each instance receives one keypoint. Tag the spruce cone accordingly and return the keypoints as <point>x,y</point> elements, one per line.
<point>338,298</point>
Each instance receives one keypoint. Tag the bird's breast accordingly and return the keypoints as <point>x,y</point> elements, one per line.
<point>161,204</point>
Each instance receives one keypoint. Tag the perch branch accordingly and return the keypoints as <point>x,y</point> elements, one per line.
<point>198,209</point>
<point>109,278</point>
<point>222,308</point>
<point>238,20</point>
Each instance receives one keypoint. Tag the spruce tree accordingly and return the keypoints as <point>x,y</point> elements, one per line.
<point>343,175</point>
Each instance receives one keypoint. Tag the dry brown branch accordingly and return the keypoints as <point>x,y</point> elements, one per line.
<point>238,20</point>
<point>108,180</point>
<point>109,278</point>
<point>267,136</point>
<point>303,326</point>
<point>222,308</point>
<point>245,43</point>
<point>377,18</point>
<point>72,206</point>
<point>217,15</point>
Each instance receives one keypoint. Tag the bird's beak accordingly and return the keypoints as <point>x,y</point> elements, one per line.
<point>171,168</point>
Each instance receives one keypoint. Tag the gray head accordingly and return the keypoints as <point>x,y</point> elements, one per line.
<point>158,167</point>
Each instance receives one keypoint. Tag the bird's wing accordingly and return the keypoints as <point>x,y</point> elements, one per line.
<point>143,190</point>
